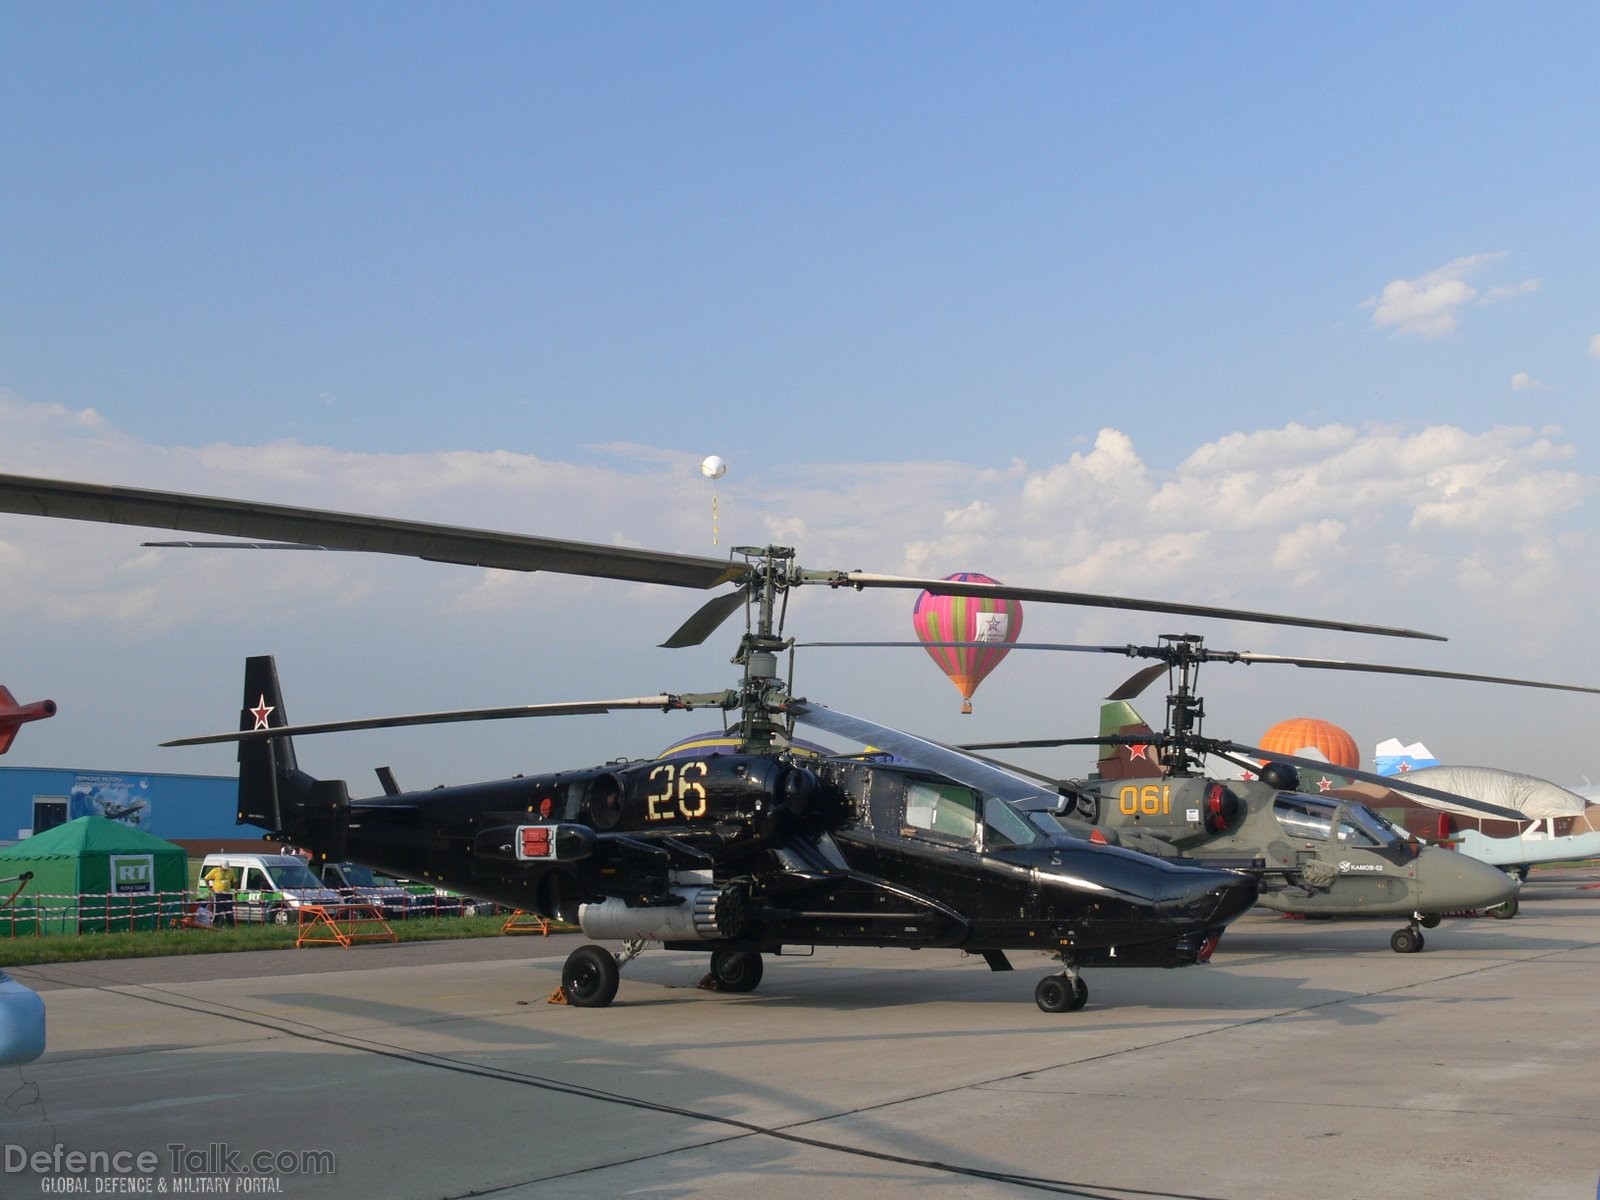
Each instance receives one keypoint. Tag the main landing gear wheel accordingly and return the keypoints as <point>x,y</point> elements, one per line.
<point>1406,941</point>
<point>1060,993</point>
<point>1431,921</point>
<point>590,977</point>
<point>735,970</point>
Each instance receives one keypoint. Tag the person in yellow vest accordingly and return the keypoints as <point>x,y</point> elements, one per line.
<point>223,882</point>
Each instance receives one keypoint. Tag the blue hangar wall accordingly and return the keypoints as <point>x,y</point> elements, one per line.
<point>175,807</point>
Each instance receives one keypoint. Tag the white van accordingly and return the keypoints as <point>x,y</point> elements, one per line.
<point>267,887</point>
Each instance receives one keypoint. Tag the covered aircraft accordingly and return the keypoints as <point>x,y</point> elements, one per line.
<point>1560,825</point>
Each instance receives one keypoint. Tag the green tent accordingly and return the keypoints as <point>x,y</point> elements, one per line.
<point>92,875</point>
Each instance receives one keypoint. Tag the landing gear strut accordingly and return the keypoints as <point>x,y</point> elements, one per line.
<point>1063,992</point>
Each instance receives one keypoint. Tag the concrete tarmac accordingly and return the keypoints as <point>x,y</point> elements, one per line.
<point>1306,1060</point>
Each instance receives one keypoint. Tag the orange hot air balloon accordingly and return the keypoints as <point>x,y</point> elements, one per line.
<point>967,619</point>
<point>1299,734</point>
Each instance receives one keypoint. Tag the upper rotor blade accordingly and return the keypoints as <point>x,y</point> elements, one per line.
<point>664,702</point>
<point>963,768</point>
<point>706,620</point>
<point>191,544</point>
<point>949,587</point>
<point>1222,749</point>
<point>1333,664</point>
<point>1045,743</point>
<point>1138,681</point>
<point>116,505</point>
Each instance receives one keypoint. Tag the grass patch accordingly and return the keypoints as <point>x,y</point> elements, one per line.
<point>27,950</point>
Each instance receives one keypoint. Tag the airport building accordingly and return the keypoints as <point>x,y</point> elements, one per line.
<point>180,808</point>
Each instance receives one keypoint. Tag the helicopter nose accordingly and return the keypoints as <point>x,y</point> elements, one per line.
<point>1210,897</point>
<point>1450,881</point>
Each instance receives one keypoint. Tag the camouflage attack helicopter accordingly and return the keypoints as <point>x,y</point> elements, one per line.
<point>1316,855</point>
<point>737,854</point>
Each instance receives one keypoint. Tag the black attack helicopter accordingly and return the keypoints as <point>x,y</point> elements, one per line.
<point>739,854</point>
<point>1316,854</point>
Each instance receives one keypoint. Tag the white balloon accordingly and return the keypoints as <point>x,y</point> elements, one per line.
<point>713,467</point>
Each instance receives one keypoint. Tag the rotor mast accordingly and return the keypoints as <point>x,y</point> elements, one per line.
<point>1186,711</point>
<point>763,692</point>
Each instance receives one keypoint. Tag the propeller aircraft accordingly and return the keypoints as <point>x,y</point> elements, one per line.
<point>739,854</point>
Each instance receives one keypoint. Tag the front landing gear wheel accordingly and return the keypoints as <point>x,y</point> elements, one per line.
<point>1406,941</point>
<point>1504,912</point>
<point>735,971</point>
<point>1060,993</point>
<point>590,977</point>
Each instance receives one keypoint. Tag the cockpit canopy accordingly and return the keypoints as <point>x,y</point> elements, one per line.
<point>1311,818</point>
<point>948,812</point>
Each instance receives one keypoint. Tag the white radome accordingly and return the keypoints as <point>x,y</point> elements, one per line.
<point>713,467</point>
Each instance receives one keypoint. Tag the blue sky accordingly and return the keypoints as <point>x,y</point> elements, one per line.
<point>1326,273</point>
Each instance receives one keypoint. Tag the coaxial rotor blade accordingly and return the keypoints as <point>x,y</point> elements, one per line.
<point>120,505</point>
<point>932,756</point>
<point>706,620</point>
<point>1226,750</point>
<point>191,544</point>
<point>1138,681</point>
<point>1048,743</point>
<point>664,702</point>
<point>117,505</point>
<point>992,643</point>
<point>1333,664</point>
<point>948,587</point>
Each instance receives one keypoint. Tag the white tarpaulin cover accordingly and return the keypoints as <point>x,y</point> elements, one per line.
<point>1538,798</point>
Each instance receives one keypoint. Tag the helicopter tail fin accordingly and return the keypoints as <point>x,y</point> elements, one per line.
<point>274,793</point>
<point>1135,761</point>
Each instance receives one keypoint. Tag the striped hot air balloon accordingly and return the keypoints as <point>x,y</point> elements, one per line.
<point>967,619</point>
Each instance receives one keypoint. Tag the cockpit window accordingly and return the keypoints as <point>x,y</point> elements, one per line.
<point>1367,824</point>
<point>1005,826</point>
<point>1311,818</point>
<point>945,808</point>
<point>949,810</point>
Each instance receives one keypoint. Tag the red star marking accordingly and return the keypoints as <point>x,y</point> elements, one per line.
<point>1139,750</point>
<point>1404,767</point>
<point>262,711</point>
<point>1324,785</point>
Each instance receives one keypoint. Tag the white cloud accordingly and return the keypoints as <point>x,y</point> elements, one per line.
<point>1594,345</point>
<point>1510,291</point>
<point>1433,528</point>
<point>1523,382</point>
<point>1430,305</point>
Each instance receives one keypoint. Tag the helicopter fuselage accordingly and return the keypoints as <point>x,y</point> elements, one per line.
<point>776,852</point>
<point>1316,854</point>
